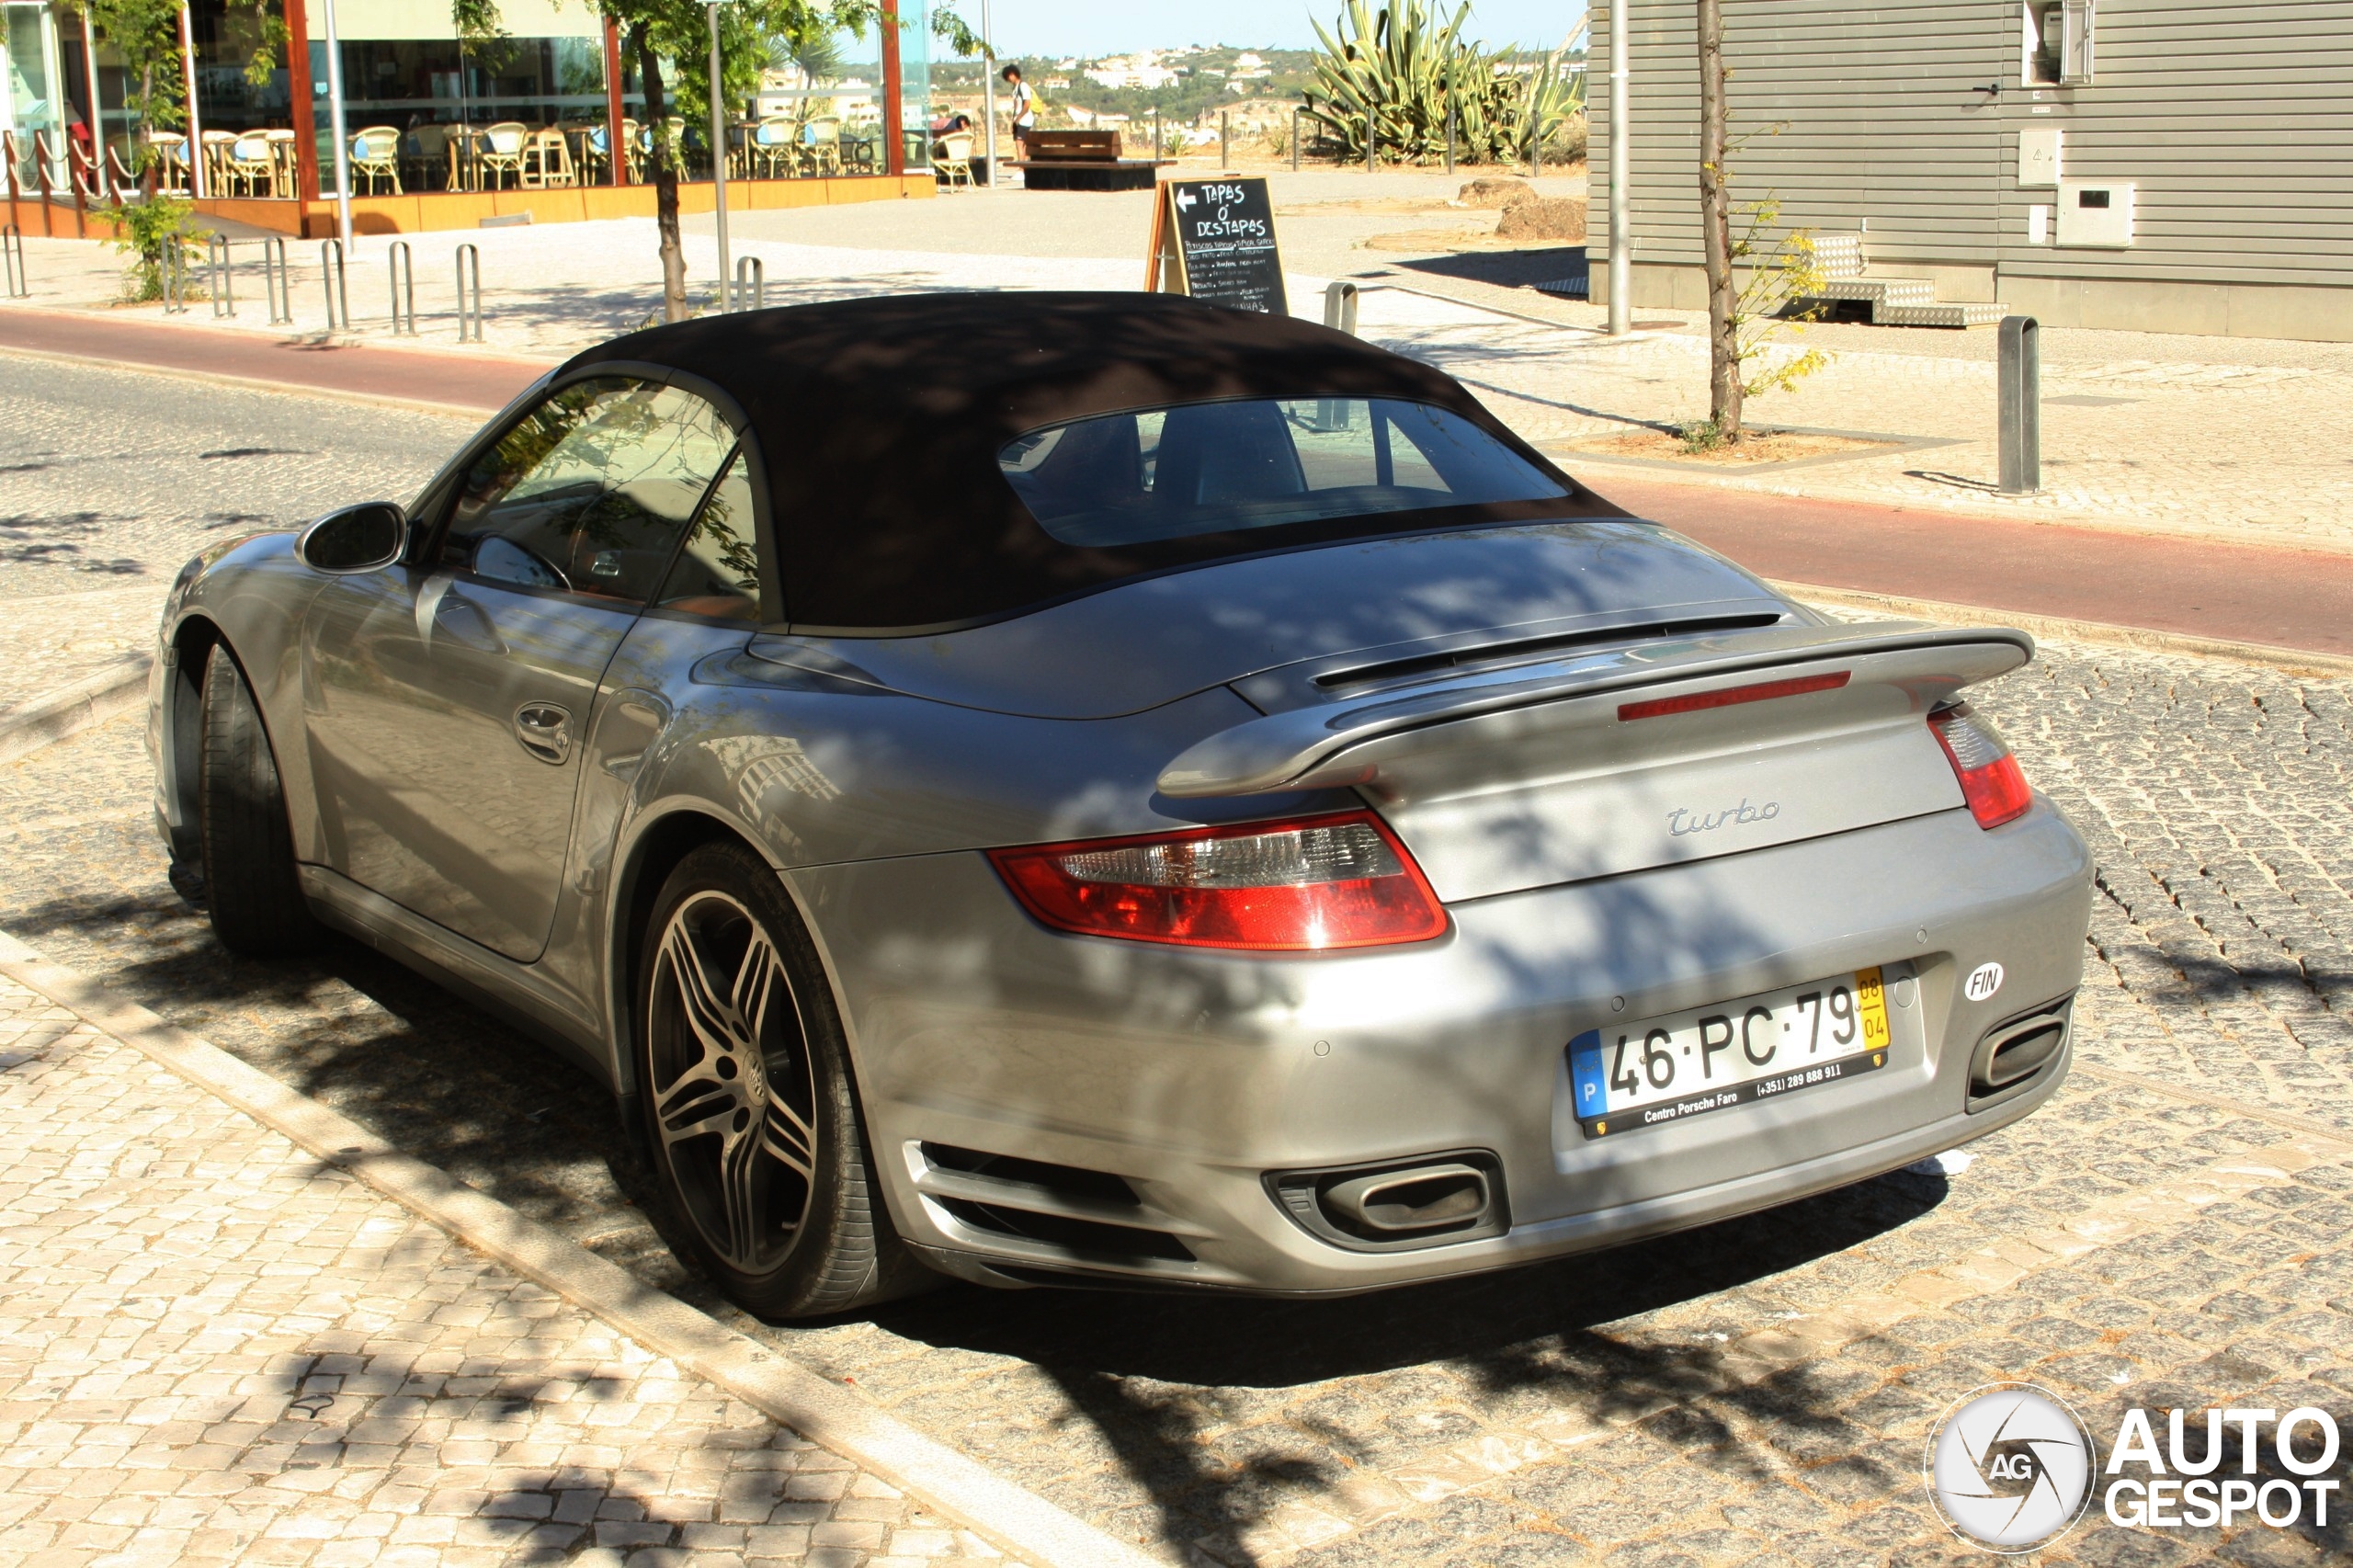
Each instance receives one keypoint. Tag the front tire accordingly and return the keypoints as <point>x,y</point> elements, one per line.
<point>255,897</point>
<point>750,1107</point>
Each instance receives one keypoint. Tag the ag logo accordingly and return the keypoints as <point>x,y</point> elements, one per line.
<point>1983,981</point>
<point>2009,1467</point>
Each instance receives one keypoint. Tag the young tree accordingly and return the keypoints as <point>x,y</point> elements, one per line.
<point>1715,224</point>
<point>680,31</point>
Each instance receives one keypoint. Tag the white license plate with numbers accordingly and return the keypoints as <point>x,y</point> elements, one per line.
<point>1647,1073</point>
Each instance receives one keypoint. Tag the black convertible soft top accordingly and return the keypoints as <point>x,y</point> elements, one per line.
<point>879,421</point>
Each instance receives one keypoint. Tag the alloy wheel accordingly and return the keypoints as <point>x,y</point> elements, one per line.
<point>733,1091</point>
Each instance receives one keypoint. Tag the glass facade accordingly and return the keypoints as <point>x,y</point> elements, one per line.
<point>469,117</point>
<point>31,99</point>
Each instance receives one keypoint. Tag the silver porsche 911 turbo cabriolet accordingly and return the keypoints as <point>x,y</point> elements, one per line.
<point>1094,786</point>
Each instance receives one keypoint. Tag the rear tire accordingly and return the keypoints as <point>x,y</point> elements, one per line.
<point>751,1107</point>
<point>255,898</point>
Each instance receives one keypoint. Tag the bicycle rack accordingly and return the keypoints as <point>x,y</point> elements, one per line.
<point>469,306</point>
<point>403,271</point>
<point>216,276</point>
<point>331,278</point>
<point>279,278</point>
<point>756,290</point>
<point>175,275</point>
<point>1340,306</point>
<point>12,256</point>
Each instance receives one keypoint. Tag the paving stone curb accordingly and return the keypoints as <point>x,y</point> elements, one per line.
<point>261,384</point>
<point>1008,1517</point>
<point>91,700</point>
<point>2294,661</point>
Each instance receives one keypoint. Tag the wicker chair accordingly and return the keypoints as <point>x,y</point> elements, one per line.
<point>376,155</point>
<point>952,160</point>
<point>772,148</point>
<point>502,152</point>
<point>252,164</point>
<point>821,145</point>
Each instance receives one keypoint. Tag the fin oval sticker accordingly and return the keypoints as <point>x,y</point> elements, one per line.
<point>1982,981</point>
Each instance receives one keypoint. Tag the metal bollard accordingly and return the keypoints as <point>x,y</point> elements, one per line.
<point>1294,140</point>
<point>469,305</point>
<point>1450,131</point>
<point>216,276</point>
<point>1340,306</point>
<point>331,278</point>
<point>12,259</point>
<point>277,277</point>
<point>404,273</point>
<point>751,283</point>
<point>2020,375</point>
<point>175,275</point>
<point>1225,141</point>
<point>1371,140</point>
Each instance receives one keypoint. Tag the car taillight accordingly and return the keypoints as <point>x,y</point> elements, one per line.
<point>1990,780</point>
<point>1304,885</point>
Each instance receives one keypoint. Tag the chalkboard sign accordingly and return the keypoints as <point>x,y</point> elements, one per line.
<point>1214,239</point>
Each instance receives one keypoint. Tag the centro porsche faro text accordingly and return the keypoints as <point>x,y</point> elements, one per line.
<point>2189,1482</point>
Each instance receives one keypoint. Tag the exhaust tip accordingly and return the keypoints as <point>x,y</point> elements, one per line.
<point>2012,1054</point>
<point>1428,1198</point>
<point>1397,1206</point>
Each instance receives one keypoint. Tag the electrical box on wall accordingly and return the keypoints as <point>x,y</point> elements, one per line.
<point>2096,214</point>
<point>2039,156</point>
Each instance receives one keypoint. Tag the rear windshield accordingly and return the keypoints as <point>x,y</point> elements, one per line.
<point>1205,468</point>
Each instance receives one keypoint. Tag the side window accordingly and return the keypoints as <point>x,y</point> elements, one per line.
<point>718,574</point>
<point>590,492</point>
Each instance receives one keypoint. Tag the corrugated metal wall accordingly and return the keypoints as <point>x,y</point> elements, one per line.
<point>2235,121</point>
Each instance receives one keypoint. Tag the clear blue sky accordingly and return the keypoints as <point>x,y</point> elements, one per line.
<point>1115,27</point>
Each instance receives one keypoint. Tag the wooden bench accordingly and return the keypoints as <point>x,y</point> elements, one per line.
<point>1084,160</point>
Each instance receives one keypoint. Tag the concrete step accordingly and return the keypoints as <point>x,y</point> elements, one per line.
<point>1941,313</point>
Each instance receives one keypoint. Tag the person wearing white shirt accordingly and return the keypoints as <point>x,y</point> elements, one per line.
<point>1025,109</point>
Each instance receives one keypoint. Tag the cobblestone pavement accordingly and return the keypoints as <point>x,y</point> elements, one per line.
<point>215,1350</point>
<point>2171,1231</point>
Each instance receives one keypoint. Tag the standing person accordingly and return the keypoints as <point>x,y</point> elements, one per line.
<point>1025,109</point>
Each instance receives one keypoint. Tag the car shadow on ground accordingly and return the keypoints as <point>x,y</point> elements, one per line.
<point>1182,1386</point>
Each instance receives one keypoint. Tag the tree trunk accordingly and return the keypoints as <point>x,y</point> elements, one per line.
<point>665,179</point>
<point>146,154</point>
<point>1715,222</point>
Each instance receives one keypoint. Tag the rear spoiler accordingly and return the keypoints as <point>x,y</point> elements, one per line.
<point>1337,745</point>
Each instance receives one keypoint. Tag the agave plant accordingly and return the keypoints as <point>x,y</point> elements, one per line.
<point>1388,76</point>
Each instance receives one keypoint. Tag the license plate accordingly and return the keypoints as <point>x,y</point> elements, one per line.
<point>1648,1074</point>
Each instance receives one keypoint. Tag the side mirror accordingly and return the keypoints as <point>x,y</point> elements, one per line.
<point>365,538</point>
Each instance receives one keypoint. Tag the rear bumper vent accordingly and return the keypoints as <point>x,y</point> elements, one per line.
<point>2018,1053</point>
<point>1398,1205</point>
<point>1055,1210</point>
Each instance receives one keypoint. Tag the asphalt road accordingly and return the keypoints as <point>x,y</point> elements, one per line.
<point>2170,1232</point>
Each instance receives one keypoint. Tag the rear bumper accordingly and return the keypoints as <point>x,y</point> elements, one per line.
<point>1192,1075</point>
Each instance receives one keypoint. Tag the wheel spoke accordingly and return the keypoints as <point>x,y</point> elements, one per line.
<point>698,1102</point>
<point>706,1015</point>
<point>739,1192</point>
<point>789,1139</point>
<point>755,984</point>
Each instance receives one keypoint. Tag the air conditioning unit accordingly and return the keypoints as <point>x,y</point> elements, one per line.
<point>2096,214</point>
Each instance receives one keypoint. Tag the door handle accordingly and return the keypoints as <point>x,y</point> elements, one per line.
<point>545,731</point>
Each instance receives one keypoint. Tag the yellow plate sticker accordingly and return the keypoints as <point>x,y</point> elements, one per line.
<point>1872,997</point>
